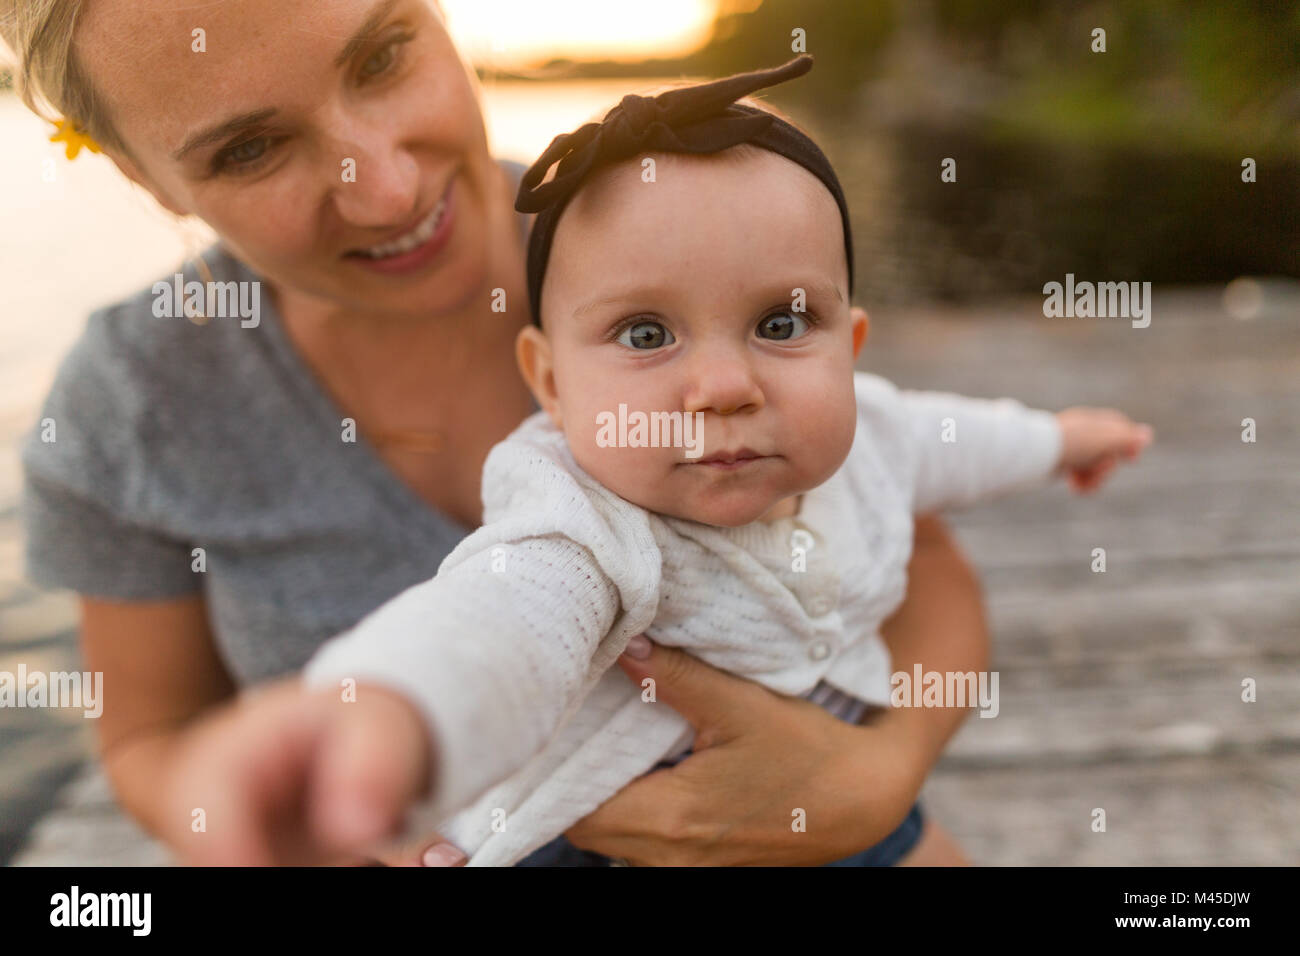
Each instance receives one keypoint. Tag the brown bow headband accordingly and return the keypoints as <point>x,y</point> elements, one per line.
<point>693,119</point>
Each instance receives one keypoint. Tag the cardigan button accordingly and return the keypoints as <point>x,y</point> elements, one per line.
<point>820,606</point>
<point>819,651</point>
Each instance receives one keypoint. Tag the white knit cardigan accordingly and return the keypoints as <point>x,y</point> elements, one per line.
<point>508,651</point>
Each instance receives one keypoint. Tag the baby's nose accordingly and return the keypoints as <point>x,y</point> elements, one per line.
<point>724,386</point>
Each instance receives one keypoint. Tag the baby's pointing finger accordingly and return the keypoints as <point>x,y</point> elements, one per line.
<point>1133,440</point>
<point>357,791</point>
<point>1085,480</point>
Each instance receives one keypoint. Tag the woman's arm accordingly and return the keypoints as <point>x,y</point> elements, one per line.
<point>941,626</point>
<point>161,670</point>
<point>760,757</point>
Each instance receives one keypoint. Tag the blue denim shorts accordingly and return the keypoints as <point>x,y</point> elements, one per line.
<point>560,852</point>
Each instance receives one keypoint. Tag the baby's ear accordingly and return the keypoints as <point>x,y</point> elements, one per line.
<point>536,364</point>
<point>861,325</point>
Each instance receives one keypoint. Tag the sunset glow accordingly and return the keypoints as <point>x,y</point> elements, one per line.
<point>519,33</point>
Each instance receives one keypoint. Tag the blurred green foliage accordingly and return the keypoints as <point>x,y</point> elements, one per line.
<point>1118,163</point>
<point>845,37</point>
<point>1200,72</point>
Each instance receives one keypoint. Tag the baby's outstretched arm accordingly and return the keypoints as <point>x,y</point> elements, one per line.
<point>442,692</point>
<point>1094,441</point>
<point>966,450</point>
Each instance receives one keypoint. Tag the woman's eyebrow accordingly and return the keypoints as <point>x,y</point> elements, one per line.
<point>235,124</point>
<point>364,32</point>
<point>219,132</point>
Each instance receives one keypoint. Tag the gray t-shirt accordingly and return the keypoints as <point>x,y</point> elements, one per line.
<point>171,436</point>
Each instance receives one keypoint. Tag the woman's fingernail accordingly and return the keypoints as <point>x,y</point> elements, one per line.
<point>443,854</point>
<point>638,647</point>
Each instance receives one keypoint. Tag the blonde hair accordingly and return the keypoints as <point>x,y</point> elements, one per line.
<point>47,75</point>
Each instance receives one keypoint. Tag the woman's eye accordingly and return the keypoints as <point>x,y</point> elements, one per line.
<point>645,335</point>
<point>379,61</point>
<point>782,325</point>
<point>246,154</point>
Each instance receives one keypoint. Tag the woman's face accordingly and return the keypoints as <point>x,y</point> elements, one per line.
<point>336,146</point>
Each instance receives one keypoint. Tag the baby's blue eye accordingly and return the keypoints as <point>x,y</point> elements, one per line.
<point>782,325</point>
<point>645,336</point>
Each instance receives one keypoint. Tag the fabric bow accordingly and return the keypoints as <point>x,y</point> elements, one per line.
<point>695,119</point>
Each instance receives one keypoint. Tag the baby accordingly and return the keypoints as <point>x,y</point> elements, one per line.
<point>707,469</point>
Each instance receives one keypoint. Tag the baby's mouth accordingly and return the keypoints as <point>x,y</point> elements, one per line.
<point>730,460</point>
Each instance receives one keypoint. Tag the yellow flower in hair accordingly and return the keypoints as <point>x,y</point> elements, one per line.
<point>72,137</point>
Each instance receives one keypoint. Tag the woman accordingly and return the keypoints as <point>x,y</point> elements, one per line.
<point>208,495</point>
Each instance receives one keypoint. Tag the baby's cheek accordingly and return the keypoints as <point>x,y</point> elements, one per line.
<point>581,437</point>
<point>824,439</point>
<point>631,473</point>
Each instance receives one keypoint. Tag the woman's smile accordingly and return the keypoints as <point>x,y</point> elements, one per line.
<point>413,250</point>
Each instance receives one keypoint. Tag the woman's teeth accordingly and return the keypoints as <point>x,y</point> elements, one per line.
<point>413,239</point>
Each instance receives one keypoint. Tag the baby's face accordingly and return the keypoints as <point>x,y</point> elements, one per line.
<point>679,295</point>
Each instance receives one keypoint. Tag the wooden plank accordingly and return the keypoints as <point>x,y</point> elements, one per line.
<point>35,617</point>
<point>1125,610</point>
<point>48,756</point>
<point>1114,711</point>
<point>1237,810</point>
<point>88,829</point>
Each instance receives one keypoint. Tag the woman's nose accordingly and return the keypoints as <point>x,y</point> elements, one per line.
<point>376,180</point>
<point>722,382</point>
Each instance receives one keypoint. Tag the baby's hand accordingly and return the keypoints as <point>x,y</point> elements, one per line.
<point>291,775</point>
<point>1093,440</point>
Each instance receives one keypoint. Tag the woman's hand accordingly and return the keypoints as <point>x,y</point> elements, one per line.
<point>430,850</point>
<point>772,780</point>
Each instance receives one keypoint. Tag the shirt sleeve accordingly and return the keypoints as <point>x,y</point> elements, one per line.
<point>970,449</point>
<point>496,652</point>
<point>73,543</point>
<point>84,468</point>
